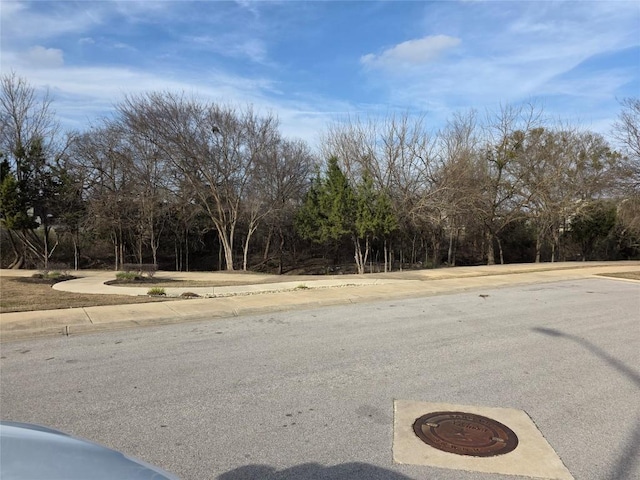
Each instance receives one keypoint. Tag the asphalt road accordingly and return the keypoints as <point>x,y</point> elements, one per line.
<point>309,394</point>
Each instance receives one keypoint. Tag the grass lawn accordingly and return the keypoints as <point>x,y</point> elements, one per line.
<point>23,294</point>
<point>627,275</point>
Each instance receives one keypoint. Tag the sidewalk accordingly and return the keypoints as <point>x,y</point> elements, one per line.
<point>254,293</point>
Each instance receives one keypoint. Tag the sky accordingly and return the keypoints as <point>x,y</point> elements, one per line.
<point>312,63</point>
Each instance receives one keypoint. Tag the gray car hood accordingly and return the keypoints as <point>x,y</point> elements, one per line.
<point>32,452</point>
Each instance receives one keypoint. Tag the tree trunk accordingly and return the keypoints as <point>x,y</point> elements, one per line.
<point>265,255</point>
<point>450,250</point>
<point>18,260</point>
<point>186,250</point>
<point>538,247</point>
<point>281,253</point>
<point>386,257</point>
<point>500,250</point>
<point>227,247</point>
<point>455,248</point>
<point>491,258</point>
<point>367,247</point>
<point>436,251</point>
<point>245,248</point>
<point>175,254</point>
<point>116,252</point>
<point>358,255</point>
<point>45,241</point>
<point>76,252</point>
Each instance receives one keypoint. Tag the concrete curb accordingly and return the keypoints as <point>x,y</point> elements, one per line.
<point>263,298</point>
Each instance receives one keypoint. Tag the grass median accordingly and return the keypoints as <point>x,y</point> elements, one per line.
<point>23,294</point>
<point>625,275</point>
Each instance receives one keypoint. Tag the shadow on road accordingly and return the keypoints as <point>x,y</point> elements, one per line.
<point>626,467</point>
<point>313,471</point>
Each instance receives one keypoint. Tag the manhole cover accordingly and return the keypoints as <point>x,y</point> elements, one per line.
<point>465,434</point>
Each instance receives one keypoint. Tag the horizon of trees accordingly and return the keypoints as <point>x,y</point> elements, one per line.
<point>188,184</point>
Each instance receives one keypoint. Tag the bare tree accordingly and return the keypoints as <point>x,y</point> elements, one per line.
<point>626,130</point>
<point>456,185</point>
<point>100,156</point>
<point>280,181</point>
<point>214,148</point>
<point>502,194</point>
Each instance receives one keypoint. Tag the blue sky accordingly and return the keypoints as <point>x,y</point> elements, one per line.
<point>311,63</point>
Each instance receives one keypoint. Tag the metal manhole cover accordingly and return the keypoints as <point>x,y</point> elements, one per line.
<point>465,434</point>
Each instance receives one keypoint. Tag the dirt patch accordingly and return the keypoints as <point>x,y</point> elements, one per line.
<point>26,294</point>
<point>626,275</point>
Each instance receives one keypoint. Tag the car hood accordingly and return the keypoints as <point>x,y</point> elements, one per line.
<point>32,452</point>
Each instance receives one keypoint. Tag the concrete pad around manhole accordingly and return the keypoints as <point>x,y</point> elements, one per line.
<point>533,457</point>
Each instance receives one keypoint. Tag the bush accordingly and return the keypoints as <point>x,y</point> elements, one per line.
<point>189,295</point>
<point>141,269</point>
<point>156,292</point>
<point>131,276</point>
<point>53,271</point>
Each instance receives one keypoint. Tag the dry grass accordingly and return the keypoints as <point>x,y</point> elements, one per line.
<point>19,296</point>
<point>627,275</point>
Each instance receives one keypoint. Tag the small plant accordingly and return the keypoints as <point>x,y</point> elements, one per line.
<point>130,276</point>
<point>302,286</point>
<point>54,276</point>
<point>189,295</point>
<point>156,292</point>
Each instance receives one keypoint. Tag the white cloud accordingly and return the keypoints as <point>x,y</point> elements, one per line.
<point>41,57</point>
<point>30,24</point>
<point>83,94</point>
<point>233,46</point>
<point>412,52</point>
<point>514,51</point>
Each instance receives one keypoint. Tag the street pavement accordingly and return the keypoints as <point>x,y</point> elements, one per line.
<point>251,293</point>
<point>309,392</point>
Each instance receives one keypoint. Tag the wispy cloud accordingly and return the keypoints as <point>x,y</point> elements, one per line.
<point>21,23</point>
<point>41,57</point>
<point>412,52</point>
<point>510,52</point>
<point>233,46</point>
<point>305,60</point>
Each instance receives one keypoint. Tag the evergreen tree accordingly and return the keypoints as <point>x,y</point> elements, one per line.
<point>334,210</point>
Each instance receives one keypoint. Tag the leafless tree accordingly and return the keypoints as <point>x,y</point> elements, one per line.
<point>215,148</point>
<point>101,157</point>
<point>282,177</point>
<point>502,193</point>
<point>626,130</point>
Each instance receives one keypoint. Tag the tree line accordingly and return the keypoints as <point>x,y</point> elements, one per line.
<point>184,184</point>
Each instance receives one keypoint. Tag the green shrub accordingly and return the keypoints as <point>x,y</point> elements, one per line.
<point>48,275</point>
<point>131,276</point>
<point>156,292</point>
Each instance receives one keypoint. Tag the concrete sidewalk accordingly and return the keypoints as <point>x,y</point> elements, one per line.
<point>256,293</point>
